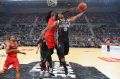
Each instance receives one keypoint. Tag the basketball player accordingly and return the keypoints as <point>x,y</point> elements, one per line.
<point>43,52</point>
<point>63,40</point>
<point>12,59</point>
<point>63,27</point>
<point>50,37</point>
<point>108,45</point>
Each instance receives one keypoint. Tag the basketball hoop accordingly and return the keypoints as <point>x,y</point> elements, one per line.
<point>52,3</point>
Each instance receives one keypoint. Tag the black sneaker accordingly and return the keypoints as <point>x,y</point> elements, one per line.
<point>66,71</point>
<point>67,64</point>
<point>51,74</point>
<point>62,64</point>
<point>43,67</point>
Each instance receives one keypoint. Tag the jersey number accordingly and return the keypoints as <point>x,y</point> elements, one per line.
<point>65,29</point>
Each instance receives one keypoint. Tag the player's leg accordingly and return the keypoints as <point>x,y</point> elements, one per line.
<point>50,41</point>
<point>56,47</point>
<point>2,71</point>
<point>61,55</point>
<point>16,66</point>
<point>17,73</point>
<point>4,68</point>
<point>43,59</point>
<point>6,65</point>
<point>108,48</point>
<point>43,65</point>
<point>49,59</point>
<point>66,47</point>
<point>48,63</point>
<point>50,44</point>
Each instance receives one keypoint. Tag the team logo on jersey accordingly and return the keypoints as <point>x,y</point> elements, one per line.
<point>64,24</point>
<point>65,29</point>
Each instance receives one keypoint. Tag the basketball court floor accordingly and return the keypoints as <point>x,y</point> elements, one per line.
<point>85,63</point>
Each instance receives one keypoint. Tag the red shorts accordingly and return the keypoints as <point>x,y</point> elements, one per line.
<point>11,61</point>
<point>51,41</point>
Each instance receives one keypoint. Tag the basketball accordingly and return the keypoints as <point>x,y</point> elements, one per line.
<point>82,6</point>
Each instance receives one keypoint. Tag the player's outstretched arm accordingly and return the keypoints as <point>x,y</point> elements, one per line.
<point>11,50</point>
<point>21,52</point>
<point>50,27</point>
<point>47,28</point>
<point>74,18</point>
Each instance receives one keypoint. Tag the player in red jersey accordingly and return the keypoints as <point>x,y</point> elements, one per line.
<point>49,33</point>
<point>12,59</point>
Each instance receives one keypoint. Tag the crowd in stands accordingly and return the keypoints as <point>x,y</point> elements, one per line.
<point>79,35</point>
<point>28,18</point>
<point>105,32</point>
<point>99,17</point>
<point>27,33</point>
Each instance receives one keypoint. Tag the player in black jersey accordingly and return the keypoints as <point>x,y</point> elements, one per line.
<point>63,30</point>
<point>44,52</point>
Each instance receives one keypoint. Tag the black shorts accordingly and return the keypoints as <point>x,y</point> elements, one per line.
<point>63,48</point>
<point>44,54</point>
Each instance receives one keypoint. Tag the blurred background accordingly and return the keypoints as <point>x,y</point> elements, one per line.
<point>100,22</point>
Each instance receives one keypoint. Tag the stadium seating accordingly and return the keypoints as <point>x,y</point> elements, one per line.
<point>27,33</point>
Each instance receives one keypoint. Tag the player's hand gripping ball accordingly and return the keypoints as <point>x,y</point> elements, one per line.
<point>82,6</point>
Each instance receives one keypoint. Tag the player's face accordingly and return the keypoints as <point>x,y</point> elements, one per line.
<point>61,16</point>
<point>12,38</point>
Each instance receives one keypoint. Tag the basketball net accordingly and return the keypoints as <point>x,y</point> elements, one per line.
<point>52,3</point>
